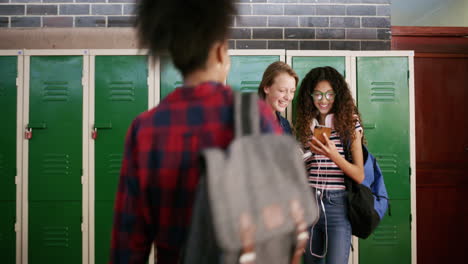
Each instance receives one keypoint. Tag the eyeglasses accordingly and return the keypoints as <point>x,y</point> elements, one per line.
<point>317,95</point>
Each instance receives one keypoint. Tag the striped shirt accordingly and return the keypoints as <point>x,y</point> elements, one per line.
<point>323,172</point>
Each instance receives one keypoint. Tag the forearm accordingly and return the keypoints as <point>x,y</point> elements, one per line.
<point>353,171</point>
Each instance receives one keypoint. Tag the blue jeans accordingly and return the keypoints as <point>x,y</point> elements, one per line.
<point>338,229</point>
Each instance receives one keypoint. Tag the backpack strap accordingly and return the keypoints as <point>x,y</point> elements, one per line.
<point>246,114</point>
<point>377,176</point>
<point>347,152</point>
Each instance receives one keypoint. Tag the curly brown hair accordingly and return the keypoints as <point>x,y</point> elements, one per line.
<point>345,111</point>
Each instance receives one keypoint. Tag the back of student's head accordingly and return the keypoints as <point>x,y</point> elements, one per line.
<point>186,29</point>
<point>273,70</point>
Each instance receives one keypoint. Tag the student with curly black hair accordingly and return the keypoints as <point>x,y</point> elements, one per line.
<point>160,170</point>
<point>324,100</point>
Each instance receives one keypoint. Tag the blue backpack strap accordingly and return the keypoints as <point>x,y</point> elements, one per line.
<point>373,179</point>
<point>379,190</point>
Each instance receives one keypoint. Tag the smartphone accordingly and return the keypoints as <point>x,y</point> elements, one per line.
<point>318,133</point>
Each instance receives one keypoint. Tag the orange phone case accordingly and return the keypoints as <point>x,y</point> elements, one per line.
<point>318,133</point>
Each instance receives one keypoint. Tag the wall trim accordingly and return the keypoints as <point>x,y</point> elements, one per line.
<point>430,31</point>
<point>440,40</point>
<point>69,38</point>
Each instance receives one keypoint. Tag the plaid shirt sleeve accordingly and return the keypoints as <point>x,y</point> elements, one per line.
<point>133,229</point>
<point>268,122</point>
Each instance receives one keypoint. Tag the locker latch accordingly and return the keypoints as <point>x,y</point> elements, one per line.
<point>35,125</point>
<point>28,133</point>
<point>94,133</point>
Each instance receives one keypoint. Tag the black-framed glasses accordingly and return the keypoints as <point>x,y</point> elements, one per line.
<point>317,95</point>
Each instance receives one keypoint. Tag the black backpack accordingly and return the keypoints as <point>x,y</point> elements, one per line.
<point>253,203</point>
<point>368,201</point>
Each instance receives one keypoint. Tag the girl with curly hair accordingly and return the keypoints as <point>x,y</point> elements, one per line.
<point>324,99</point>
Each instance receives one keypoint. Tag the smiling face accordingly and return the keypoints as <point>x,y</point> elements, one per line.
<point>323,96</point>
<point>280,94</point>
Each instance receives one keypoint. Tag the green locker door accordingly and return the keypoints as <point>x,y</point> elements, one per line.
<point>121,93</point>
<point>383,100</point>
<point>8,73</point>
<point>390,243</point>
<point>247,71</point>
<point>7,231</point>
<point>55,159</point>
<point>302,65</point>
<point>170,77</point>
<point>245,74</point>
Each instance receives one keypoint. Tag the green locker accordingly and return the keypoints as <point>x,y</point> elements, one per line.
<point>170,77</point>
<point>121,93</point>
<point>247,71</point>
<point>302,65</point>
<point>383,100</point>
<point>8,73</point>
<point>7,231</point>
<point>245,74</point>
<point>55,159</point>
<point>55,232</point>
<point>391,241</point>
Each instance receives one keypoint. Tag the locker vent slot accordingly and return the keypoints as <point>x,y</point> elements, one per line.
<point>178,83</point>
<point>56,164</point>
<point>382,92</point>
<point>122,91</point>
<point>387,162</point>
<point>249,86</point>
<point>386,235</point>
<point>55,91</point>
<point>115,161</point>
<point>55,236</point>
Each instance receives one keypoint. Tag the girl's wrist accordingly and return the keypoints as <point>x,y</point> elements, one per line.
<point>335,157</point>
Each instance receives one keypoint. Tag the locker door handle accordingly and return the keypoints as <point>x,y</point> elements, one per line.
<point>369,125</point>
<point>39,125</point>
<point>94,133</point>
<point>103,125</point>
<point>28,131</point>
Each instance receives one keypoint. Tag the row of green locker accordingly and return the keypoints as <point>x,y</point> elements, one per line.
<point>64,121</point>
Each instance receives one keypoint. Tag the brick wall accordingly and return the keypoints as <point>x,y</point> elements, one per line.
<point>260,24</point>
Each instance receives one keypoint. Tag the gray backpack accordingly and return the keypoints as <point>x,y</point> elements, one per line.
<point>253,203</point>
